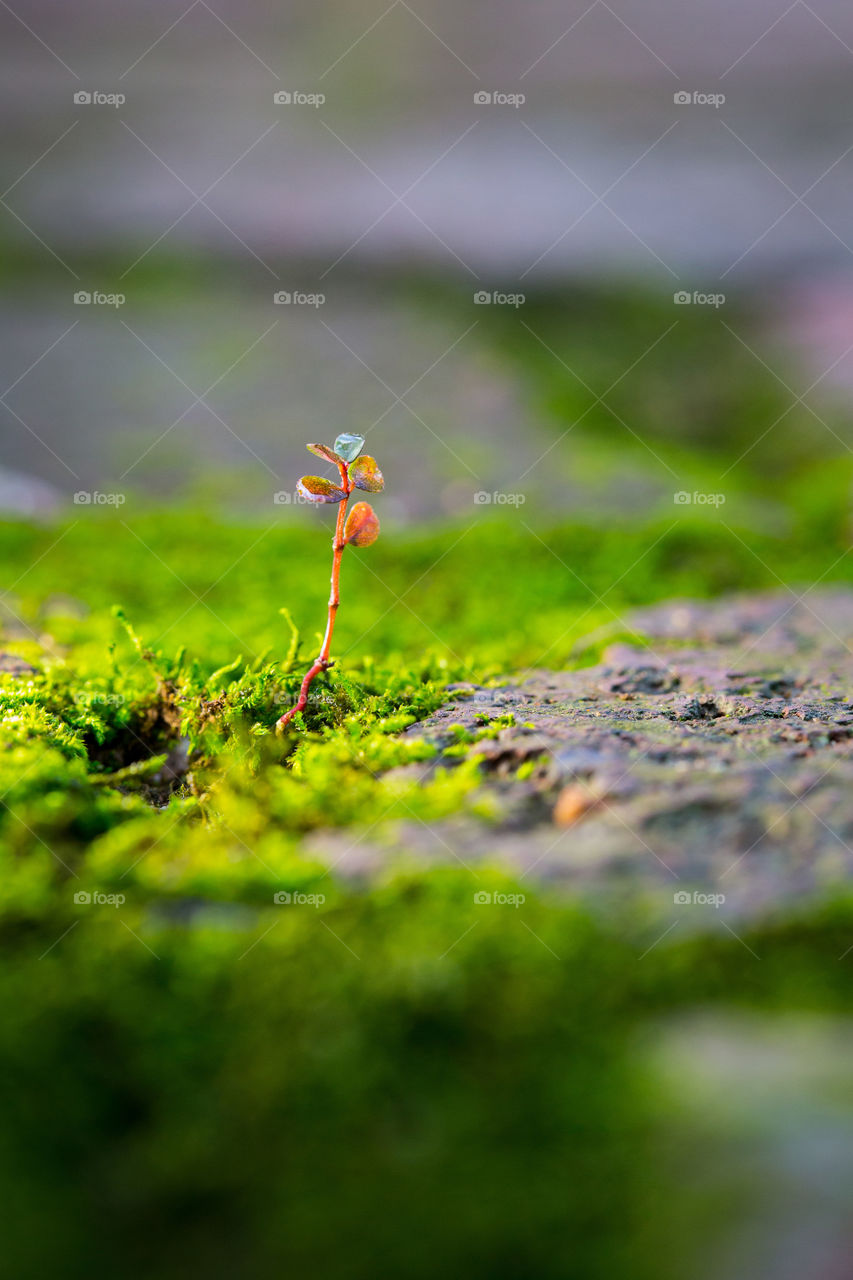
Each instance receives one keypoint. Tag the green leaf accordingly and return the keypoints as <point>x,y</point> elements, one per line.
<point>362,526</point>
<point>365,474</point>
<point>349,446</point>
<point>319,489</point>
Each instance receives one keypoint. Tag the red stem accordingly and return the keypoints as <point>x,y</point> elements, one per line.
<point>322,663</point>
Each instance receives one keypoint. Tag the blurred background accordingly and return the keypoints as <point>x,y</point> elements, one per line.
<point>284,217</point>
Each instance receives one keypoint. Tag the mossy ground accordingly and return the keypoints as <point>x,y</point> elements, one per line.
<point>205,1081</point>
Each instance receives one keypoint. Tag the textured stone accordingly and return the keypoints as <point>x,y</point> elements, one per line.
<point>720,755</point>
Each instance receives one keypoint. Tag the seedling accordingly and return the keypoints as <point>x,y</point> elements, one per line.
<point>358,529</point>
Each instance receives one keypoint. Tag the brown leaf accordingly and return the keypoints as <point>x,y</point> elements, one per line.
<point>365,474</point>
<point>324,451</point>
<point>362,526</point>
<point>319,489</point>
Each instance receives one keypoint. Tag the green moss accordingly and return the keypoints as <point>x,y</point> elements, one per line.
<point>198,653</point>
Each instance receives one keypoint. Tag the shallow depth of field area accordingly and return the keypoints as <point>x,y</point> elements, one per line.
<point>225,1053</point>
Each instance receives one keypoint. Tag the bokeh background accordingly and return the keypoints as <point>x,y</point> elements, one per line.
<point>386,189</point>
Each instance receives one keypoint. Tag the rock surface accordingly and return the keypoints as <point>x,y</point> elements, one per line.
<point>715,761</point>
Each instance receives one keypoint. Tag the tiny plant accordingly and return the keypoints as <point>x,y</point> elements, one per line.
<point>358,529</point>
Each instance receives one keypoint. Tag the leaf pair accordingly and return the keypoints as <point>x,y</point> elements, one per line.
<point>346,450</point>
<point>363,473</point>
<point>362,526</point>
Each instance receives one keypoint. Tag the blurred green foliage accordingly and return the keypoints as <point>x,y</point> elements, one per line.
<point>698,388</point>
<point>402,1080</point>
